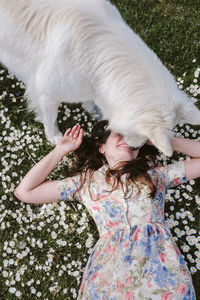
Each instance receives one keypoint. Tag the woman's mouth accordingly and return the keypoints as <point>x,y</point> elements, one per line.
<point>129,147</point>
<point>124,146</point>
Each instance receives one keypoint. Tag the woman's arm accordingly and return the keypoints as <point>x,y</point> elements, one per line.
<point>190,148</point>
<point>32,188</point>
<point>183,145</point>
<point>186,146</point>
<point>40,171</point>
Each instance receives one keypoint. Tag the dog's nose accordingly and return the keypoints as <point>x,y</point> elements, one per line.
<point>134,148</point>
<point>138,147</point>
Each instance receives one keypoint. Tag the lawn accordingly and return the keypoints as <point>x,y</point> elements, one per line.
<point>44,248</point>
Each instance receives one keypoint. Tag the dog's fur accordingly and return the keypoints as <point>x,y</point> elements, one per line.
<point>83,51</point>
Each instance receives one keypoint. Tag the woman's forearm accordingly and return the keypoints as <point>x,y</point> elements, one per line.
<point>186,146</point>
<point>40,171</point>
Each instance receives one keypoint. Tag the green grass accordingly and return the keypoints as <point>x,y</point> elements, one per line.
<point>49,244</point>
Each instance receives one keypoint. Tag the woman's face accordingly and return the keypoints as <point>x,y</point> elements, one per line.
<point>116,150</point>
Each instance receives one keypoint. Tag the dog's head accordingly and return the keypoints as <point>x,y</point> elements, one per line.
<point>147,126</point>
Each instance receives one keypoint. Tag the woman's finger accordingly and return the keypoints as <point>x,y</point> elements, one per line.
<point>66,134</point>
<point>80,134</point>
<point>76,133</point>
<point>74,128</point>
<point>67,131</point>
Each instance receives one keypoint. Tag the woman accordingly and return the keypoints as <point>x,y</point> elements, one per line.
<point>135,256</point>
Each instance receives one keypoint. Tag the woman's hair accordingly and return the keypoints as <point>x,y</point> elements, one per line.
<point>88,159</point>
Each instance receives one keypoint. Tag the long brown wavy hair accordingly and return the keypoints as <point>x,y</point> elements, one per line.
<point>88,159</point>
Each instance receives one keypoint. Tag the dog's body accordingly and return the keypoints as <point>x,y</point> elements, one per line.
<point>83,51</point>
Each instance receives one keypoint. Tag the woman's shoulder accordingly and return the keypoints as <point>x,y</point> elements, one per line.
<point>171,174</point>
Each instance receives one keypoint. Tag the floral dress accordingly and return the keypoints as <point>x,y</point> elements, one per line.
<point>136,256</point>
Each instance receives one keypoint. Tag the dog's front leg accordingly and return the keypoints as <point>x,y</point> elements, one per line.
<point>47,112</point>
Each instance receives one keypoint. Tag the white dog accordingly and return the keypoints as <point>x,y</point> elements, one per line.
<point>83,51</point>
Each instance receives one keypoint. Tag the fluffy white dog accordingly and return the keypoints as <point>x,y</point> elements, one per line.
<point>83,51</point>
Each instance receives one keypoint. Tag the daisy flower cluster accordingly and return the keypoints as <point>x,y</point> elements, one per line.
<point>44,248</point>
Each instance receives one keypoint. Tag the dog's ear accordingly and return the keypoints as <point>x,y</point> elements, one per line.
<point>161,140</point>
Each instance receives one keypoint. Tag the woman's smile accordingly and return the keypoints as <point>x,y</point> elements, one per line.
<point>124,146</point>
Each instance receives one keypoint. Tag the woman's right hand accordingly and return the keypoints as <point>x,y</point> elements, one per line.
<point>71,140</point>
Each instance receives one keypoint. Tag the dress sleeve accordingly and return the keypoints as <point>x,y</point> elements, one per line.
<point>173,174</point>
<point>67,187</point>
